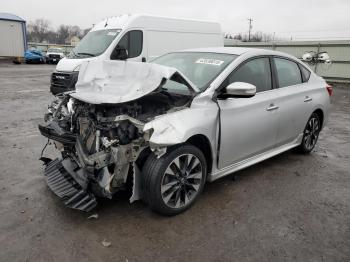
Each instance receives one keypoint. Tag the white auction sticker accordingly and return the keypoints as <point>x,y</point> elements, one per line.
<point>209,61</point>
<point>112,33</point>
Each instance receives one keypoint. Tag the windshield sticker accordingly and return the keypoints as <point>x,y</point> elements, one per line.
<point>209,61</point>
<point>112,33</point>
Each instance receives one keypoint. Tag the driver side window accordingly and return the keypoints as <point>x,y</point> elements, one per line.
<point>256,72</point>
<point>132,41</point>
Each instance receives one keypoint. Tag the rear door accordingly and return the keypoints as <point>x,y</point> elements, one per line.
<point>294,100</point>
<point>248,125</point>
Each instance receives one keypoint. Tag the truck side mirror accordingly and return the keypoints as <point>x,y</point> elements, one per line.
<point>119,53</point>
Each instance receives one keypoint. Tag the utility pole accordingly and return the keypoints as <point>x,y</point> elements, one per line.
<point>250,28</point>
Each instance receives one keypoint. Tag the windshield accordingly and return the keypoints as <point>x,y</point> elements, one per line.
<point>55,50</point>
<point>94,43</point>
<point>200,68</point>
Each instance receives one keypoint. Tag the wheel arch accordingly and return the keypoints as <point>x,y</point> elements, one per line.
<point>202,143</point>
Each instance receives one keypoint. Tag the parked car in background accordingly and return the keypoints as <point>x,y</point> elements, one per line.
<point>34,56</point>
<point>54,55</point>
<point>134,38</point>
<point>169,126</point>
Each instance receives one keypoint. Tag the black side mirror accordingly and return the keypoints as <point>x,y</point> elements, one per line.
<point>119,53</point>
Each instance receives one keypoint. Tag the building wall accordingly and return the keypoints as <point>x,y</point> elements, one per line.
<point>339,52</point>
<point>12,40</point>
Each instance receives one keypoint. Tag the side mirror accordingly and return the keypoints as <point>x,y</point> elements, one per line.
<point>119,53</point>
<point>239,89</point>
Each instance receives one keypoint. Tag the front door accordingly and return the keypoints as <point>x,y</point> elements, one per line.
<point>248,125</point>
<point>133,42</point>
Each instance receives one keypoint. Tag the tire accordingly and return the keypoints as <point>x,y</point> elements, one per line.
<point>311,133</point>
<point>168,187</point>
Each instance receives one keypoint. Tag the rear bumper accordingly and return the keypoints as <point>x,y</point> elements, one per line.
<point>68,185</point>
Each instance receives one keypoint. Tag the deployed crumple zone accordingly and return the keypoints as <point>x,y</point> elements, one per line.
<point>100,128</point>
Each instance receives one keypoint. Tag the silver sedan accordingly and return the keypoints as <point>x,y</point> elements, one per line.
<point>184,119</point>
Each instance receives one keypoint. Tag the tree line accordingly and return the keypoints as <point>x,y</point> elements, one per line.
<point>41,31</point>
<point>254,37</point>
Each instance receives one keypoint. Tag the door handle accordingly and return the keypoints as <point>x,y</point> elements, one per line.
<point>307,99</point>
<point>272,107</point>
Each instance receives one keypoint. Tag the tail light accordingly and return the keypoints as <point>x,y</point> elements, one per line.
<point>329,89</point>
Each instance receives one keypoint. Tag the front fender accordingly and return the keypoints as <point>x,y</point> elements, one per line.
<point>178,127</point>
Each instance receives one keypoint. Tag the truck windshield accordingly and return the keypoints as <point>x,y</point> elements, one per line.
<point>94,43</point>
<point>199,67</point>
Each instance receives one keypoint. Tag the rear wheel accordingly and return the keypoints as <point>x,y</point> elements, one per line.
<point>173,182</point>
<point>311,133</point>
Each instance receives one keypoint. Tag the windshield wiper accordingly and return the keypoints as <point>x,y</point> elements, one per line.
<point>89,54</point>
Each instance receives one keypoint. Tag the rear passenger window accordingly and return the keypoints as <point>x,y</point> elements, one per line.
<point>288,72</point>
<point>132,42</point>
<point>256,72</point>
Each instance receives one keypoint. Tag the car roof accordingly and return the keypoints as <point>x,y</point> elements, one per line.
<point>238,51</point>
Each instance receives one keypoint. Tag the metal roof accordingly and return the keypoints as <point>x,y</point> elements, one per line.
<point>11,17</point>
<point>236,51</point>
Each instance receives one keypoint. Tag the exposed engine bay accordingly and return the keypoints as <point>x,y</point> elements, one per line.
<point>100,144</point>
<point>99,128</point>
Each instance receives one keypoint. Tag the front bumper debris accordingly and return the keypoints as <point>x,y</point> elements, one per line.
<point>53,131</point>
<point>71,190</point>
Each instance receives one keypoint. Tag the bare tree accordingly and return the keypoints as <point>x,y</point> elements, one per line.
<point>75,31</point>
<point>62,34</point>
<point>254,37</point>
<point>38,30</point>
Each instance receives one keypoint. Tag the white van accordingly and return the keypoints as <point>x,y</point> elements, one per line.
<point>135,38</point>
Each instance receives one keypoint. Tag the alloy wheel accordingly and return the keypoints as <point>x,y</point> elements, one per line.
<point>181,181</point>
<point>311,133</point>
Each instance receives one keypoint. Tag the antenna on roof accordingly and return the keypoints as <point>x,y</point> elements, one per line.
<point>106,22</point>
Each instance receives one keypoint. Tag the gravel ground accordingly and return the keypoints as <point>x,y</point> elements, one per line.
<point>289,208</point>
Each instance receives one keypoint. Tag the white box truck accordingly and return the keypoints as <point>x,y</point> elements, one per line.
<point>135,38</point>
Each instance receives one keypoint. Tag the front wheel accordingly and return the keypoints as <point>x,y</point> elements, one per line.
<point>173,182</point>
<point>311,133</point>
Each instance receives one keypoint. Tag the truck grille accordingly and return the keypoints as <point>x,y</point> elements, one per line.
<point>63,81</point>
<point>54,56</point>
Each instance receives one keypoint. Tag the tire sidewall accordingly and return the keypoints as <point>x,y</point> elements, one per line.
<point>303,146</point>
<point>163,164</point>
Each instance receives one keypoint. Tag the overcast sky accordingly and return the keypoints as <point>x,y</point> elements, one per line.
<point>299,19</point>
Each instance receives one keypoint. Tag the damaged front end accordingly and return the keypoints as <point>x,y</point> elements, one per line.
<point>100,133</point>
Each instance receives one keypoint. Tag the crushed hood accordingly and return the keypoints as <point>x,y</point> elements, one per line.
<point>112,82</point>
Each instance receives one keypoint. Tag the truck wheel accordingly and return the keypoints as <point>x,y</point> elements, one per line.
<point>173,182</point>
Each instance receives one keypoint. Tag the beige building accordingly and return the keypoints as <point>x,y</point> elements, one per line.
<point>73,41</point>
